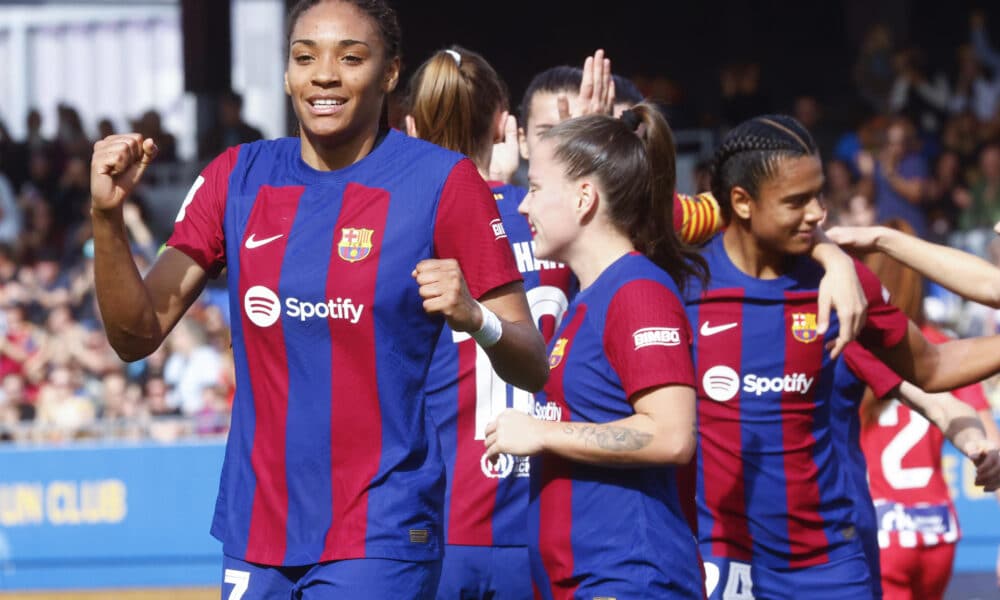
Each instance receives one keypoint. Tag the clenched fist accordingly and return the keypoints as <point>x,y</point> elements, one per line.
<point>442,286</point>
<point>116,167</point>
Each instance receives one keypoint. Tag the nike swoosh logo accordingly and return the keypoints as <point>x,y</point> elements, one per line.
<point>254,243</point>
<point>707,329</point>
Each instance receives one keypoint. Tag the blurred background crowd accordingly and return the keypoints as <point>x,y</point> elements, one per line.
<point>915,136</point>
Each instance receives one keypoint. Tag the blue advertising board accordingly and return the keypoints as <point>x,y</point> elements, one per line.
<point>94,516</point>
<point>102,516</point>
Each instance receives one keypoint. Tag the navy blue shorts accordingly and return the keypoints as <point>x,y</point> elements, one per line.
<point>363,578</point>
<point>479,572</point>
<point>843,579</point>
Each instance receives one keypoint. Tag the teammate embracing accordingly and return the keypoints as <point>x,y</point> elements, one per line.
<point>776,514</point>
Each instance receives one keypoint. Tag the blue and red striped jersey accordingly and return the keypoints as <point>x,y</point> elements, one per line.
<point>625,333</point>
<point>857,370</point>
<point>486,503</point>
<point>331,455</point>
<point>770,486</point>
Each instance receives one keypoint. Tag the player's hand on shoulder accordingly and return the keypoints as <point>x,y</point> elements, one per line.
<point>985,455</point>
<point>443,288</point>
<point>514,432</point>
<point>858,239</point>
<point>116,166</point>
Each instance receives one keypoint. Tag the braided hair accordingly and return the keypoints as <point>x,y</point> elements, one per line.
<point>751,152</point>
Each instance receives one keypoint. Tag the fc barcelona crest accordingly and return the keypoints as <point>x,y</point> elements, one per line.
<point>355,244</point>
<point>804,326</point>
<point>558,351</point>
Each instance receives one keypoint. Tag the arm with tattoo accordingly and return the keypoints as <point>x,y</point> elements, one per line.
<point>660,432</point>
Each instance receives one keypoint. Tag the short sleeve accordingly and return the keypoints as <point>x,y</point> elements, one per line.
<point>875,373</point>
<point>198,228</point>
<point>886,325</point>
<point>647,337</point>
<point>468,228</point>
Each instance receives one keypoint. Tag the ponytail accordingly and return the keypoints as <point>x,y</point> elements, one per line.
<point>453,98</point>
<point>634,160</point>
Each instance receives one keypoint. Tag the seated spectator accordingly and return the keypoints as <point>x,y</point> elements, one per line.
<point>946,192</point>
<point>961,135</point>
<point>17,411</point>
<point>64,411</point>
<point>873,72</point>
<point>19,341</point>
<point>840,188</point>
<point>105,128</point>
<point>213,417</point>
<point>917,95</point>
<point>860,212</point>
<point>45,284</point>
<point>150,125</point>
<point>10,211</point>
<point>70,134</point>
<point>898,177</point>
<point>982,209</point>
<point>191,366</point>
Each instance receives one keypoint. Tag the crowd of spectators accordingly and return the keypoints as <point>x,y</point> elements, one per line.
<point>59,378</point>
<point>925,148</point>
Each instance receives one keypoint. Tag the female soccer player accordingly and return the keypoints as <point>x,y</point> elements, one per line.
<point>775,512</point>
<point>620,392</point>
<point>561,92</point>
<point>458,101</point>
<point>345,248</point>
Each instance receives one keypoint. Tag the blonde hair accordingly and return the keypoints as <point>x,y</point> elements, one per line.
<point>453,97</point>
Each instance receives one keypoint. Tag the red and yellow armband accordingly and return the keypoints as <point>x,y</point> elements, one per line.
<point>696,218</point>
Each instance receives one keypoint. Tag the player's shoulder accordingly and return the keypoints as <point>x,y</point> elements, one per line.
<point>422,152</point>
<point>635,279</point>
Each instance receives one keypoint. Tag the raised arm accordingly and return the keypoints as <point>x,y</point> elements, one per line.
<point>137,313</point>
<point>965,274</point>
<point>660,432</point>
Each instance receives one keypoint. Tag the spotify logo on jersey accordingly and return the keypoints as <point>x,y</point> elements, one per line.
<point>721,383</point>
<point>262,306</point>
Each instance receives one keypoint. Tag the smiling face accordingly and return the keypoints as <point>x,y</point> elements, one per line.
<point>787,209</point>
<point>338,74</point>
<point>549,205</point>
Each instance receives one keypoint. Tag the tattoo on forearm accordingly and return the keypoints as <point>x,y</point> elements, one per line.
<point>610,437</point>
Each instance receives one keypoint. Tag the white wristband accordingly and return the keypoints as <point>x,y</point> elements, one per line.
<point>489,334</point>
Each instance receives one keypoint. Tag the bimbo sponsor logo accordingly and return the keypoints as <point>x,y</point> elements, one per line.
<point>498,231</point>
<point>263,308</point>
<point>656,336</point>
